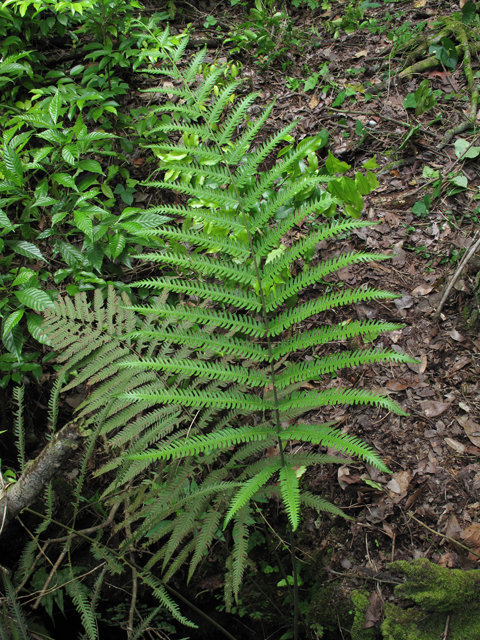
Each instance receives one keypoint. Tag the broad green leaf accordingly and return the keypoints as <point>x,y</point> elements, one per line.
<point>117,244</point>
<point>362,183</point>
<point>71,254</point>
<point>83,222</point>
<point>65,180</point>
<point>35,299</point>
<point>311,83</point>
<point>339,99</point>
<point>13,340</point>
<point>34,324</point>
<point>410,101</point>
<point>69,154</point>
<point>371,164</point>
<point>94,254</point>
<point>13,166</point>
<point>54,106</point>
<point>334,165</point>
<point>469,11</point>
<point>13,319</point>
<point>23,277</point>
<point>90,165</point>
<point>5,222</point>
<point>459,181</point>
<point>372,180</point>
<point>461,147</point>
<point>429,172</point>
<point>26,249</point>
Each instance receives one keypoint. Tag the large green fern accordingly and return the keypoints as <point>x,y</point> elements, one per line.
<point>205,380</point>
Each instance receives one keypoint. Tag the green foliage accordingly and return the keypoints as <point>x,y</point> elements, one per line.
<point>187,401</point>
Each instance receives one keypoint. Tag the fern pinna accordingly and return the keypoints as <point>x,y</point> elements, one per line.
<point>204,384</point>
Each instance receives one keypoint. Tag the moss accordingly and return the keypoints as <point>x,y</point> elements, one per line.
<point>329,606</point>
<point>440,593</point>
<point>361,604</point>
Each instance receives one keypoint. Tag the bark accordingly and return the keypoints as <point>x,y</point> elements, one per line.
<point>39,472</point>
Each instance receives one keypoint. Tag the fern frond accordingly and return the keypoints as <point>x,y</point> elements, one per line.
<point>18,429</point>
<point>290,491</point>
<point>215,244</point>
<point>200,130</point>
<point>300,248</point>
<point>305,371</point>
<point>216,217</point>
<point>316,274</point>
<point>321,505</point>
<point>333,333</point>
<point>332,397</point>
<point>199,399</point>
<point>208,342</point>
<point>328,437</point>
<point>242,144</point>
<point>78,593</point>
<point>162,596</point>
<point>239,555</point>
<point>248,489</point>
<point>196,444</point>
<point>16,612</point>
<point>181,558</point>
<point>313,307</point>
<point>203,265</point>
<point>194,68</point>
<point>221,102</point>
<point>235,117</point>
<point>213,292</point>
<point>204,539</point>
<point>211,317</point>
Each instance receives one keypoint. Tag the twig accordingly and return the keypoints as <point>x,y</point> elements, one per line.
<point>442,535</point>
<point>473,248</point>
<point>44,590</point>
<point>445,633</point>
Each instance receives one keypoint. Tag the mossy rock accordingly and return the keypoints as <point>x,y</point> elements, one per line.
<point>440,593</point>
<point>329,605</point>
<point>361,604</point>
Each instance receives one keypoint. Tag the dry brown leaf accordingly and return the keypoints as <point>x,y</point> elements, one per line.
<point>314,102</point>
<point>433,408</point>
<point>405,302</point>
<point>453,528</point>
<point>392,219</point>
<point>448,560</point>
<point>456,336</point>
<point>461,362</point>
<point>420,367</point>
<point>471,536</point>
<point>388,530</point>
<point>345,478</point>
<point>422,290</point>
<point>397,385</point>
<point>456,445</point>
<point>374,611</point>
<point>403,479</point>
<point>361,54</point>
<point>420,3</point>
<point>472,429</point>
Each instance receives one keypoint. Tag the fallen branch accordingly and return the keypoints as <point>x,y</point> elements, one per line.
<point>38,473</point>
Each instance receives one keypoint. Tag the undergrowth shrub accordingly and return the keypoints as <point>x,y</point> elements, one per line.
<point>197,401</point>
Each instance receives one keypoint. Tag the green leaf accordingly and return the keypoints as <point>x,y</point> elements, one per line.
<point>371,164</point>
<point>339,99</point>
<point>13,340</point>
<point>428,172</point>
<point>65,180</point>
<point>94,253</point>
<point>461,147</point>
<point>83,222</point>
<point>5,222</point>
<point>13,166</point>
<point>90,165</point>
<point>469,12</point>
<point>35,299</point>
<point>71,254</point>
<point>23,277</point>
<point>13,319</point>
<point>68,155</point>
<point>54,106</point>
<point>311,83</point>
<point>335,166</point>
<point>459,181</point>
<point>410,102</point>
<point>117,244</point>
<point>26,249</point>
<point>34,325</point>
<point>445,52</point>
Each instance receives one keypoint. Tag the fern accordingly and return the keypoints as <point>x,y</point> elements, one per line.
<point>194,386</point>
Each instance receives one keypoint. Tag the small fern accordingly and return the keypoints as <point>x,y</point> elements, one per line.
<point>198,385</point>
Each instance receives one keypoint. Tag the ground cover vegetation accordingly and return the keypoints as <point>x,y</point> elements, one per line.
<point>196,207</point>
